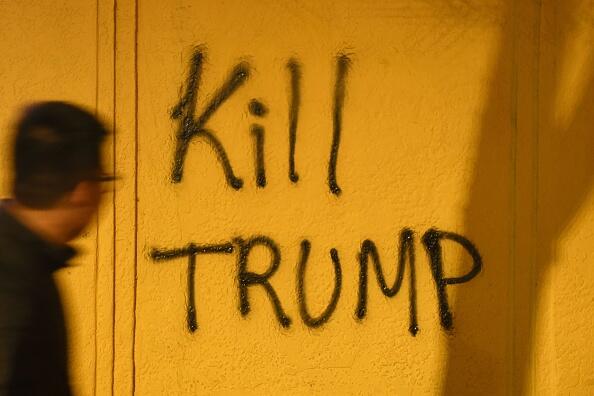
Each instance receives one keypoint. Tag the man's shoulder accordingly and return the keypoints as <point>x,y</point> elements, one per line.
<point>18,286</point>
<point>15,259</point>
<point>13,238</point>
<point>17,281</point>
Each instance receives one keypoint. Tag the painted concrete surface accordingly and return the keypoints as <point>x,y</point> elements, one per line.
<point>455,135</point>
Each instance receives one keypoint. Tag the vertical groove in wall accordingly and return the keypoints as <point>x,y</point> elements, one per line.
<point>97,214</point>
<point>513,201</point>
<point>135,192</point>
<point>113,286</point>
<point>535,187</point>
<point>96,276</point>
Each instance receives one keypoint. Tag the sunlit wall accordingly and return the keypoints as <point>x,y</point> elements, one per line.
<point>325,197</point>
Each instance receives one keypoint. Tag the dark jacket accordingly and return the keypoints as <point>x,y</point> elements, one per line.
<point>33,356</point>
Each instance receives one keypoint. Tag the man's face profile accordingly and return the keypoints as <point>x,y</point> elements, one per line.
<point>58,176</point>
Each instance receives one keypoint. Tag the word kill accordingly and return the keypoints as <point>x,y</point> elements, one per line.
<point>432,240</point>
<point>194,127</point>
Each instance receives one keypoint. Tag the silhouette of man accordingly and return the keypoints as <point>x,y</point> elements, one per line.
<point>57,189</point>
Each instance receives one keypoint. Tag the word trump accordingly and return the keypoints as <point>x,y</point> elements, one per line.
<point>432,241</point>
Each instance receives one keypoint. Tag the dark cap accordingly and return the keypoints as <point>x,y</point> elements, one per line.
<point>57,145</point>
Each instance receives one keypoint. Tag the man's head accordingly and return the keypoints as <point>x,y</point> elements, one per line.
<point>57,163</point>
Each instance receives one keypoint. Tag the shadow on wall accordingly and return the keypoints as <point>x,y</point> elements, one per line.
<point>530,178</point>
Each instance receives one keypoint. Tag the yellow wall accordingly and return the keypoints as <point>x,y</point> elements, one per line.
<point>470,117</point>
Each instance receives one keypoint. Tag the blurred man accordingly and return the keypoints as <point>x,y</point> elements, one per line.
<point>57,189</point>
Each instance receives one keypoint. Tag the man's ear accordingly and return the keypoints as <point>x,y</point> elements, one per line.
<point>82,194</point>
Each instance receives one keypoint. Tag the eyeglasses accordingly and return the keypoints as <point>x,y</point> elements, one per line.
<point>104,177</point>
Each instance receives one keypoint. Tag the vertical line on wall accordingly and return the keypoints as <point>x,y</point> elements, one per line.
<point>535,181</point>
<point>96,275</point>
<point>113,285</point>
<point>135,192</point>
<point>97,213</point>
<point>513,201</point>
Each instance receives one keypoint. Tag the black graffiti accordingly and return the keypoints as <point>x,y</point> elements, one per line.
<point>406,247</point>
<point>191,251</point>
<point>191,127</point>
<point>342,66</point>
<point>324,316</point>
<point>248,279</point>
<point>257,108</point>
<point>295,100</point>
<point>431,240</point>
<point>260,169</point>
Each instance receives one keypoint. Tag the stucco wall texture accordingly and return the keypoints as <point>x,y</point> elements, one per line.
<point>474,118</point>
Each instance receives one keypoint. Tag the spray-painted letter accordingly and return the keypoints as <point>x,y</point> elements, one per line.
<point>432,239</point>
<point>195,127</point>
<point>406,248</point>
<point>342,67</point>
<point>324,316</point>
<point>191,251</point>
<point>247,278</point>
